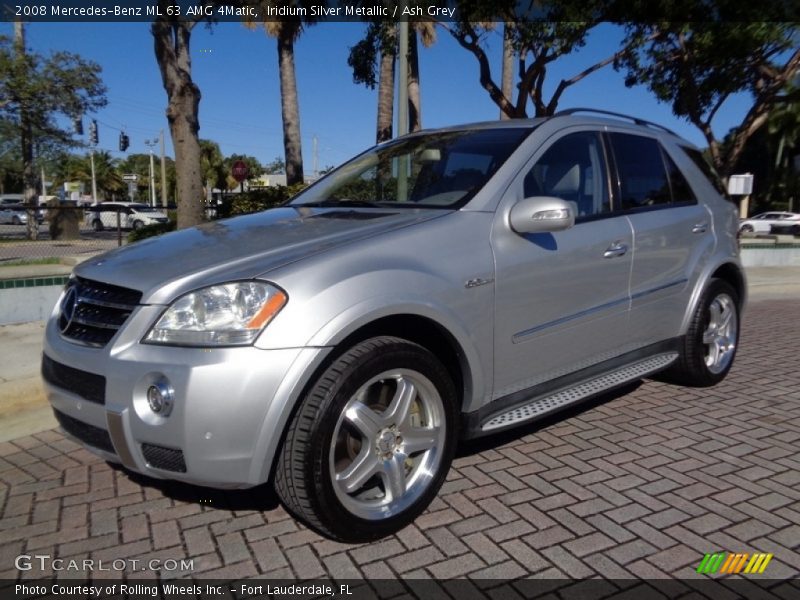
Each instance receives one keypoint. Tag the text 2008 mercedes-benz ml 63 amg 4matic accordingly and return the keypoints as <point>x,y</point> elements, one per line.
<point>445,285</point>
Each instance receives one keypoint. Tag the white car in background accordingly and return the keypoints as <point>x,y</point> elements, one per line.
<point>785,221</point>
<point>132,215</point>
<point>11,211</point>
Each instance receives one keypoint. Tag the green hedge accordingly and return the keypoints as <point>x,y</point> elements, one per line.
<point>257,200</point>
<point>151,231</point>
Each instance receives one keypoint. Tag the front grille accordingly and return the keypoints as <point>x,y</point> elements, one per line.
<point>88,434</point>
<point>88,386</point>
<point>167,459</point>
<point>92,311</point>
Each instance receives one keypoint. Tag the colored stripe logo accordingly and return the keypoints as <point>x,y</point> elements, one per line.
<point>728,563</point>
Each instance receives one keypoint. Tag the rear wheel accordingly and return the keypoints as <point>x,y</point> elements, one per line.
<point>709,346</point>
<point>97,225</point>
<point>371,443</point>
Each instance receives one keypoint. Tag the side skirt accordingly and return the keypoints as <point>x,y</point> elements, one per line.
<point>558,394</point>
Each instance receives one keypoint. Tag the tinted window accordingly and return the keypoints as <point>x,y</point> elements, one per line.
<point>681,190</point>
<point>572,169</point>
<point>643,180</point>
<point>443,169</point>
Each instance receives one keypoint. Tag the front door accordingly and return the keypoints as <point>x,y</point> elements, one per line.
<point>562,298</point>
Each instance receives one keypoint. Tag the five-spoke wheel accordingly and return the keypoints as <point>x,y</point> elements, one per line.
<point>371,442</point>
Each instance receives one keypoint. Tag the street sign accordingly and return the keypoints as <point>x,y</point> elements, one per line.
<point>130,177</point>
<point>239,171</point>
<point>740,185</point>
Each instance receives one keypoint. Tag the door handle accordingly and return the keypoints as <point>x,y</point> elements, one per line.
<point>700,227</point>
<point>618,248</point>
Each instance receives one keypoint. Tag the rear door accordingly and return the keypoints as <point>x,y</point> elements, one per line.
<point>672,233</point>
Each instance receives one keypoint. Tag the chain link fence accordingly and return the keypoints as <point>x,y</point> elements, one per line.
<point>60,232</point>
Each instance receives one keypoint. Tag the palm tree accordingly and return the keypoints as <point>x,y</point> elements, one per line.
<point>426,32</point>
<point>286,30</point>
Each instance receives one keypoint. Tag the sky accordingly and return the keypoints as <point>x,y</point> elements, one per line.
<point>237,72</point>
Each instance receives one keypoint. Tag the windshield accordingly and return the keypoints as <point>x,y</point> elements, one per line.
<point>442,170</point>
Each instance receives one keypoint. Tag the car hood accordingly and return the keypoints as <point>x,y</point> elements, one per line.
<point>240,248</point>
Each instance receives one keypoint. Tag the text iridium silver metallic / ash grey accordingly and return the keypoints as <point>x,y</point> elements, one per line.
<point>445,285</point>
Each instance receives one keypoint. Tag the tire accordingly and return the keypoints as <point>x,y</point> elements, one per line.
<point>710,344</point>
<point>137,225</point>
<point>746,229</point>
<point>15,220</point>
<point>352,403</point>
<point>97,225</point>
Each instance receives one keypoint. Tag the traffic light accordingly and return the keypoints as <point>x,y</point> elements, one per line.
<point>78,126</point>
<point>93,137</point>
<point>124,141</point>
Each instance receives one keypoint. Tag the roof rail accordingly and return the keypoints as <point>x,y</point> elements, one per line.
<point>636,120</point>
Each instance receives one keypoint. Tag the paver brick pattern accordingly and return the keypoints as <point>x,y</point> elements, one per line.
<point>640,484</point>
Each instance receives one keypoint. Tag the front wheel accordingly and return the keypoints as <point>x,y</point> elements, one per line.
<point>746,229</point>
<point>15,220</point>
<point>97,225</point>
<point>709,346</point>
<point>137,225</point>
<point>371,443</point>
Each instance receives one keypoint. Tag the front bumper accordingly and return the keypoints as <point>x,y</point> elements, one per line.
<point>230,407</point>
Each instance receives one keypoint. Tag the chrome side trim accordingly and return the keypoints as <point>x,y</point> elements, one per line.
<point>520,336</point>
<point>116,429</point>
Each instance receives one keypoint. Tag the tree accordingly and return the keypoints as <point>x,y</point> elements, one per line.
<point>212,166</point>
<point>172,36</point>
<point>697,67</point>
<point>544,32</point>
<point>276,166</point>
<point>254,168</point>
<point>34,91</point>
<point>378,47</point>
<point>73,167</point>
<point>286,30</point>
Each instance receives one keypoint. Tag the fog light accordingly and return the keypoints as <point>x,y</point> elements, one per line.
<point>160,396</point>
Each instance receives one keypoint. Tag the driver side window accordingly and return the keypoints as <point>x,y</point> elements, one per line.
<point>572,169</point>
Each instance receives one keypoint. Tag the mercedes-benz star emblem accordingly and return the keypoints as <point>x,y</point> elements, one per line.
<point>68,308</point>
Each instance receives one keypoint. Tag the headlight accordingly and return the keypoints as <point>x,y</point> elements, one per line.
<point>232,314</point>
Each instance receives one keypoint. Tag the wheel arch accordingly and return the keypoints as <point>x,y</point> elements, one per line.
<point>416,328</point>
<point>730,272</point>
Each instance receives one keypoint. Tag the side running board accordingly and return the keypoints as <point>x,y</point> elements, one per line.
<point>543,405</point>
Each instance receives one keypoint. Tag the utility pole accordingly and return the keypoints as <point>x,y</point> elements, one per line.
<point>151,144</point>
<point>316,162</point>
<point>402,112</point>
<point>164,201</point>
<point>94,179</point>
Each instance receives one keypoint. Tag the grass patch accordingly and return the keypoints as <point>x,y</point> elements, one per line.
<point>22,262</point>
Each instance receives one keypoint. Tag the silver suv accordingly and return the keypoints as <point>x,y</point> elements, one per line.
<point>446,285</point>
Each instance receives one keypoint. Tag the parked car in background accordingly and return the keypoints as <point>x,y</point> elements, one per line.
<point>772,222</point>
<point>13,212</point>
<point>132,215</point>
<point>445,285</point>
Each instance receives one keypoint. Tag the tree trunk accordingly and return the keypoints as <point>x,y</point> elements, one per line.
<point>508,68</point>
<point>183,106</point>
<point>289,107</point>
<point>414,102</point>
<point>385,98</point>
<point>26,141</point>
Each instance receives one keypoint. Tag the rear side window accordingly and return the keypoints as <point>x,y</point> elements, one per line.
<point>643,180</point>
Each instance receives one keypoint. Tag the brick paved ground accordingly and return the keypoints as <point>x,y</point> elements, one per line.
<point>641,485</point>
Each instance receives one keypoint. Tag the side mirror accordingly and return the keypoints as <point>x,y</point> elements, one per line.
<point>542,214</point>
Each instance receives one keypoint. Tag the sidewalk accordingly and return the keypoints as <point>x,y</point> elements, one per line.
<point>24,409</point>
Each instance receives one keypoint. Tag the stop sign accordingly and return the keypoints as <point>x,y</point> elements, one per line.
<point>239,171</point>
